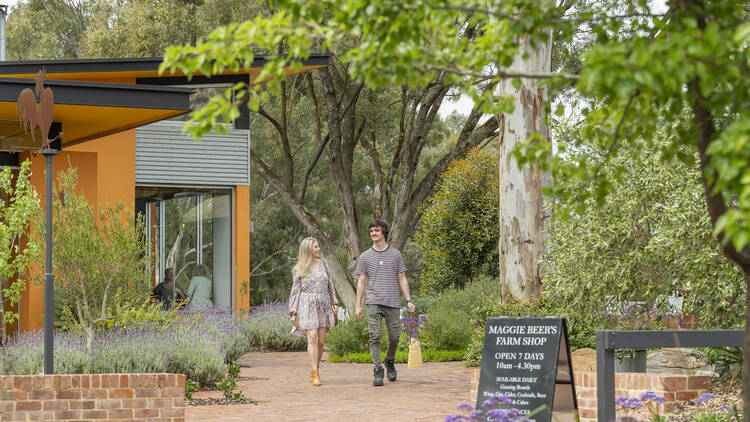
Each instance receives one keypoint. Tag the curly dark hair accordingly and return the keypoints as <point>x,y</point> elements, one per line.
<point>379,223</point>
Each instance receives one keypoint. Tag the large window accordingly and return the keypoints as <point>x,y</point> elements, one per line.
<point>190,235</point>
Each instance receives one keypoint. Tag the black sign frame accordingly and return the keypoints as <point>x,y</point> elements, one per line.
<point>525,359</point>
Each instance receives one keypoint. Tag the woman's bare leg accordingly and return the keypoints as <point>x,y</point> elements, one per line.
<point>321,342</point>
<point>312,348</point>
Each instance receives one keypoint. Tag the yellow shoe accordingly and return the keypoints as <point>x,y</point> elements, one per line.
<point>311,375</point>
<point>315,378</point>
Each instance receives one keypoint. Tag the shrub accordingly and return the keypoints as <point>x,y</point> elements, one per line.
<point>221,327</point>
<point>268,327</point>
<point>428,355</point>
<point>458,235</point>
<point>19,205</point>
<point>651,236</point>
<point>100,263</point>
<point>197,344</point>
<point>351,336</point>
<point>449,314</point>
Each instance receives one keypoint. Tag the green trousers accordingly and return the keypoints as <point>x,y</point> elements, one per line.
<point>375,314</point>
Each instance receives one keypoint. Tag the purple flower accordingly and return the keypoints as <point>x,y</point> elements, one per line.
<point>725,407</point>
<point>497,415</point>
<point>633,404</point>
<point>455,418</point>
<point>704,398</point>
<point>465,406</point>
<point>476,416</point>
<point>495,400</point>
<point>650,395</point>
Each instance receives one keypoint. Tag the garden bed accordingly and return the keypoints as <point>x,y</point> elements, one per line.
<point>727,393</point>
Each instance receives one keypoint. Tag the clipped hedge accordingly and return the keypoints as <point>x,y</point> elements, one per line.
<point>428,355</point>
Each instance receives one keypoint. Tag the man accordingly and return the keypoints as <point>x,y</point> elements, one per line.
<point>381,269</point>
<point>166,292</point>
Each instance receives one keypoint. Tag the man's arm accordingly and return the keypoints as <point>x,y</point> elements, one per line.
<point>361,282</point>
<point>404,284</point>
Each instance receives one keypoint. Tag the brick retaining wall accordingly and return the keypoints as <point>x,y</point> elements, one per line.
<point>112,397</point>
<point>673,387</point>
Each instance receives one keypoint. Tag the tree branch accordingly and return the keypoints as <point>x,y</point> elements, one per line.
<point>616,135</point>
<point>456,70</point>
<point>321,148</point>
<point>260,264</point>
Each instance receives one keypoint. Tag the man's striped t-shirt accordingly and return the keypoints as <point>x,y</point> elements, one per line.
<point>381,269</point>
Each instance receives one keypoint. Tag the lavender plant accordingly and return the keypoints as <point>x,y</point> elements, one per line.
<point>494,409</point>
<point>268,328</point>
<point>198,344</point>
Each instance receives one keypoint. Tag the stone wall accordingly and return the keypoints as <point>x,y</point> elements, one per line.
<point>112,397</point>
<point>674,388</point>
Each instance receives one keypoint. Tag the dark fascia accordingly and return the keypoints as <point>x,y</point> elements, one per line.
<point>103,94</point>
<point>122,64</point>
<point>8,159</point>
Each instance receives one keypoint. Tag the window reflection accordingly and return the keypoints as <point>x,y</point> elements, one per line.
<point>190,244</point>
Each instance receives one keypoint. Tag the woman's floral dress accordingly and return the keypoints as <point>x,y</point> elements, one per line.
<point>310,299</point>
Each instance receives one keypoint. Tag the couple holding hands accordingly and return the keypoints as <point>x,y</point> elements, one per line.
<point>312,302</point>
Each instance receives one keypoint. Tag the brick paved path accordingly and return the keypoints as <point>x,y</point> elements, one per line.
<point>280,384</point>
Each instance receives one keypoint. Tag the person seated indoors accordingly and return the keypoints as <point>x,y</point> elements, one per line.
<point>199,290</point>
<point>166,292</point>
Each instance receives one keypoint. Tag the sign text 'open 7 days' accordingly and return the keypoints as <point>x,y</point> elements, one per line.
<point>528,361</point>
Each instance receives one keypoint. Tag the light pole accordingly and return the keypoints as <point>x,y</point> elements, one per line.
<point>49,276</point>
<point>33,115</point>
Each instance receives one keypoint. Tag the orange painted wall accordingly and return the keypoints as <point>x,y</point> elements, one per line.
<point>31,305</point>
<point>115,166</point>
<point>242,246</point>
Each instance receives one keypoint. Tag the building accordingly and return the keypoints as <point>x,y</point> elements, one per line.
<point>194,194</point>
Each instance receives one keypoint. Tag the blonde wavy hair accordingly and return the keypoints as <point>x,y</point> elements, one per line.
<point>305,258</point>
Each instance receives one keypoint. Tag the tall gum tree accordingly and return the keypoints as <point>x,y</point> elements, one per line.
<point>522,206</point>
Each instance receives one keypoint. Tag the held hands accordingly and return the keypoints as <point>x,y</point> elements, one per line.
<point>294,319</point>
<point>358,312</point>
<point>411,306</point>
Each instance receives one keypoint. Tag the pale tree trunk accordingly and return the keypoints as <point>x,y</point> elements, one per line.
<point>522,212</point>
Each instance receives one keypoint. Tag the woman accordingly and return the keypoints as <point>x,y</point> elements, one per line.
<point>312,302</point>
<point>199,290</point>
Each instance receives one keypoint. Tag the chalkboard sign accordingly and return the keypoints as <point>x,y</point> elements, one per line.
<point>528,361</point>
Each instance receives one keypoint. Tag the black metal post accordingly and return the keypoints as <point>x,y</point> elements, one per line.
<point>605,378</point>
<point>49,277</point>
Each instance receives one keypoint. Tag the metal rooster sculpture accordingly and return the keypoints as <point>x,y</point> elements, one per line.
<point>32,115</point>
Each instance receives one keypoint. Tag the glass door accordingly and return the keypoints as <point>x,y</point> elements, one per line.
<point>190,244</point>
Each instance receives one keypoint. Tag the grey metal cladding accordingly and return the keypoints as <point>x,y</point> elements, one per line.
<point>166,156</point>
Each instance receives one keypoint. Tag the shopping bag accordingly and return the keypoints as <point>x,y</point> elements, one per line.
<point>415,354</point>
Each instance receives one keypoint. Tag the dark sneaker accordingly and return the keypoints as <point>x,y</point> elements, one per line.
<point>390,367</point>
<point>378,376</point>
